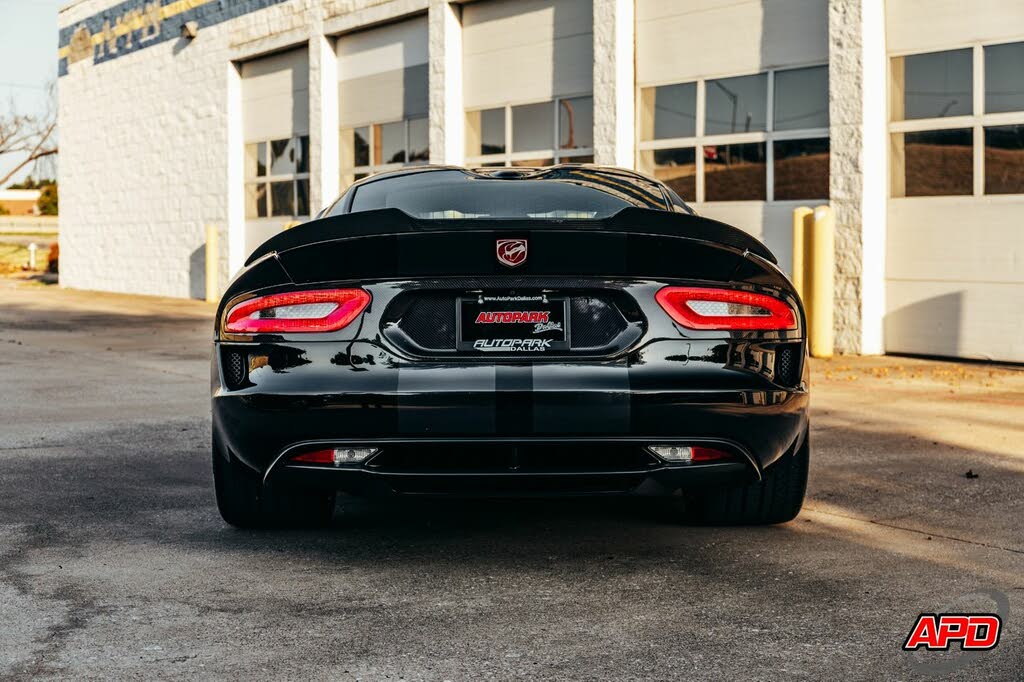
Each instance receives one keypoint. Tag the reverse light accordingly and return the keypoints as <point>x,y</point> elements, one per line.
<point>708,308</point>
<point>690,454</point>
<point>335,456</point>
<point>321,310</point>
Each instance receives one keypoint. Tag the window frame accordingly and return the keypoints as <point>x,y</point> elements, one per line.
<point>348,173</point>
<point>977,121</point>
<point>700,140</point>
<point>508,157</point>
<point>268,179</point>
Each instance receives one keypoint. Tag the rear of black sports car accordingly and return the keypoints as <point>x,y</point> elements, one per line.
<point>565,331</point>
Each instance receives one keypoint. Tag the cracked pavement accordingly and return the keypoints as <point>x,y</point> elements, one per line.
<point>115,564</point>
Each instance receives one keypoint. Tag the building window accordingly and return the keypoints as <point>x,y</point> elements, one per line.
<point>277,178</point>
<point>381,147</point>
<point>952,136</point>
<point>757,137</point>
<point>534,134</point>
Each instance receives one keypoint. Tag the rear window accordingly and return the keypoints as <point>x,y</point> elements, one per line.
<point>561,194</point>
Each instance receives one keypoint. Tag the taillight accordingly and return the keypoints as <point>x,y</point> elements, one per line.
<point>324,310</point>
<point>336,456</point>
<point>707,308</point>
<point>691,454</point>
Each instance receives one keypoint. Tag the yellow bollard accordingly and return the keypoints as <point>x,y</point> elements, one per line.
<point>800,224</point>
<point>212,263</point>
<point>820,285</point>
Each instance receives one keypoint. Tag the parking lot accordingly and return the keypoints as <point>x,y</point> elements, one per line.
<point>114,562</point>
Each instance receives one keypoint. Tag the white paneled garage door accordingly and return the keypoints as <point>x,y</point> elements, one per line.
<point>955,241</point>
<point>275,111</point>
<point>528,77</point>
<point>733,108</point>
<point>526,51</point>
<point>382,98</point>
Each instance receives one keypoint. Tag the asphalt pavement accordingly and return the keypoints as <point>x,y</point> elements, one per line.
<point>114,563</point>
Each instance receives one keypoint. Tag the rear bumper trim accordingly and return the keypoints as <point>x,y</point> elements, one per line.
<point>659,481</point>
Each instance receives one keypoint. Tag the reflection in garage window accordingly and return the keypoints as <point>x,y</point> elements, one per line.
<point>668,111</point>
<point>738,132</point>
<point>801,169</point>
<point>801,99</point>
<point>735,172</point>
<point>383,146</point>
<point>736,105</point>
<point>1004,78</point>
<point>1004,159</point>
<point>533,127</point>
<point>977,153</point>
<point>534,134</point>
<point>276,173</point>
<point>576,123</point>
<point>933,85</point>
<point>485,132</point>
<point>282,199</point>
<point>677,168</point>
<point>933,163</point>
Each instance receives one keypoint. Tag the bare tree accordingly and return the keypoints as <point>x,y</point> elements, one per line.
<point>29,138</point>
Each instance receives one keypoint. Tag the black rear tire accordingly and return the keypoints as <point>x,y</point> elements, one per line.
<point>776,498</point>
<point>244,502</point>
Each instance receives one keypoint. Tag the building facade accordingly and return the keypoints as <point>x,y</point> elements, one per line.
<point>907,116</point>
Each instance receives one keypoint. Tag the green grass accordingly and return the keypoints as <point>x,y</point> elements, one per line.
<point>14,257</point>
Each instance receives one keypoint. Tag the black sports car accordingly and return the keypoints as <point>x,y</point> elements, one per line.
<point>503,332</point>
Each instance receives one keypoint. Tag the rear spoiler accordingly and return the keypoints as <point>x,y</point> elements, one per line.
<point>387,221</point>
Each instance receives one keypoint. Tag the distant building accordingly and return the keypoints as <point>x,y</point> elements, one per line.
<point>19,201</point>
<point>906,115</point>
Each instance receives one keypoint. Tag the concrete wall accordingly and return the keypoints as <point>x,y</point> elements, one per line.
<point>144,149</point>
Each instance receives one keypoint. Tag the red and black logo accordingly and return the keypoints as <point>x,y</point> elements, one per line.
<point>512,316</point>
<point>511,252</point>
<point>936,631</point>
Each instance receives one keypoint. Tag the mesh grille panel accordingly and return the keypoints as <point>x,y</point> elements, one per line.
<point>430,321</point>
<point>234,368</point>
<point>787,364</point>
<point>593,322</point>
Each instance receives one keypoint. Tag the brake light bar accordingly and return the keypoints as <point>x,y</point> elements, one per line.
<point>320,310</point>
<point>729,309</point>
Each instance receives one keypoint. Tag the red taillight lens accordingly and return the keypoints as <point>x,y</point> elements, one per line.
<point>325,310</point>
<point>707,308</point>
<point>705,454</point>
<point>315,457</point>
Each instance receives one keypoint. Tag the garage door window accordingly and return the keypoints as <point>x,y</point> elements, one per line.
<point>953,134</point>
<point>534,134</point>
<point>381,147</point>
<point>753,137</point>
<point>277,178</point>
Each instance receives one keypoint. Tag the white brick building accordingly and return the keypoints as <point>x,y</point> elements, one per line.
<point>906,115</point>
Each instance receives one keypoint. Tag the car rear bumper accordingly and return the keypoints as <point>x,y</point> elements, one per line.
<point>668,392</point>
<point>264,431</point>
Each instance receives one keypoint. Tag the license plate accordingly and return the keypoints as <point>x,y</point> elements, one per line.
<point>513,324</point>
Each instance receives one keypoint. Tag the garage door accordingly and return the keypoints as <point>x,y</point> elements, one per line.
<point>955,247</point>
<point>528,77</point>
<point>734,109</point>
<point>275,110</point>
<point>382,98</point>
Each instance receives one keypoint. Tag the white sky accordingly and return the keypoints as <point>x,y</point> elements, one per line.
<point>28,57</point>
